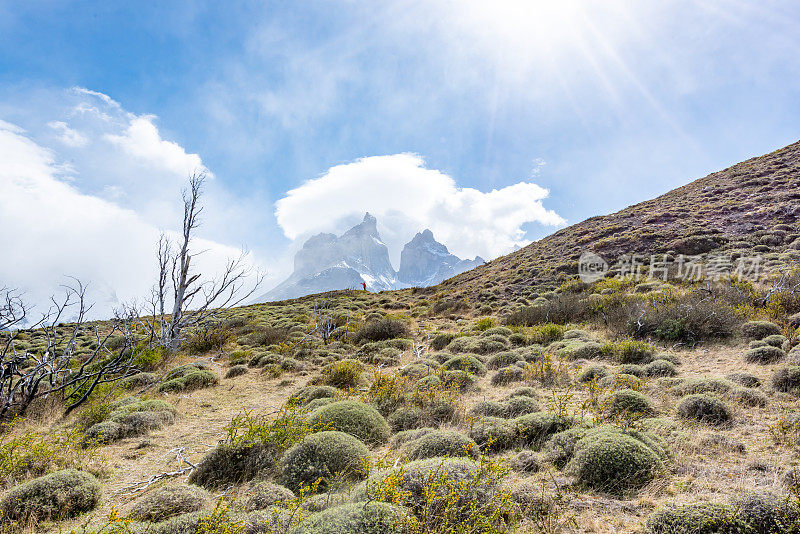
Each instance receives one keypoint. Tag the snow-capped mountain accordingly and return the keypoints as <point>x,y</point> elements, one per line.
<point>327,262</point>
<point>426,262</point>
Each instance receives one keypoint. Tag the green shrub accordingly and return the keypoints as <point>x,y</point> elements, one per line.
<point>381,330</point>
<point>764,355</point>
<point>232,464</point>
<point>592,372</point>
<point>355,518</point>
<point>698,518</point>
<point>447,443</point>
<point>546,333</point>
<point>526,462</point>
<point>745,379</point>
<point>262,495</point>
<point>486,323</point>
<point>632,369</point>
<point>620,381</point>
<point>169,501</point>
<point>309,393</point>
<point>342,374</point>
<point>489,408</point>
<point>787,379</point>
<point>236,370</point>
<point>704,408</point>
<point>440,341</point>
<point>519,405</point>
<point>533,429</point>
<point>702,385</point>
<point>775,340</point>
<point>465,362</point>
<point>630,351</point>
<point>759,329</point>
<point>659,368</point>
<point>189,382</point>
<point>59,495</point>
<point>580,350</point>
<point>131,417</point>
<point>406,418</point>
<point>628,402</point>
<point>503,359</point>
<point>137,381</point>
<point>507,375</point>
<point>493,434</point>
<point>613,462</point>
<point>749,397</point>
<point>353,417</point>
<point>767,512</point>
<point>445,494</point>
<point>322,459</point>
<point>560,447</point>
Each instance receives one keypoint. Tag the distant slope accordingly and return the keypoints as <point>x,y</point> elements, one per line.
<point>751,207</point>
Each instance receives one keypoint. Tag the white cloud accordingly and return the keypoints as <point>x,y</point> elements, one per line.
<point>53,230</point>
<point>407,197</point>
<point>67,135</point>
<point>143,141</point>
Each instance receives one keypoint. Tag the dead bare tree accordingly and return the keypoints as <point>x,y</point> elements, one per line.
<point>58,370</point>
<point>192,299</point>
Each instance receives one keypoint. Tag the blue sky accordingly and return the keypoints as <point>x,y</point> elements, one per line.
<point>602,103</point>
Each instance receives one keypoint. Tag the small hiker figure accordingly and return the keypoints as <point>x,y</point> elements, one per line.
<point>364,285</point>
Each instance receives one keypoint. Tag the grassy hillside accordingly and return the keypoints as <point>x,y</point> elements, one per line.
<point>513,398</point>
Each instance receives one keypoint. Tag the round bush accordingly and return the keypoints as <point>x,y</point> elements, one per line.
<point>704,408</point>
<point>749,397</point>
<point>767,512</point>
<point>323,457</point>
<point>489,408</point>
<point>620,381</point>
<point>745,379</point>
<point>355,418</point>
<point>776,340</point>
<point>59,495</point>
<point>533,429</point>
<point>356,518</point>
<point>405,418</point>
<point>507,375</point>
<point>759,329</point>
<point>561,446</point>
<point>526,462</point>
<point>343,374</point>
<point>419,483</point>
<point>590,350</point>
<point>699,518</point>
<point>189,382</point>
<point>519,405</point>
<point>632,369</point>
<point>103,432</point>
<point>232,464</point>
<point>381,330</point>
<point>629,402</point>
<point>262,495</point>
<point>764,355</point>
<point>236,370</point>
<point>503,359</point>
<point>659,368</point>
<point>461,380</point>
<point>167,502</point>
<point>493,434</point>
<point>787,379</point>
<point>441,443</point>
<point>309,393</point>
<point>613,462</point>
<point>465,362</point>
<point>593,372</point>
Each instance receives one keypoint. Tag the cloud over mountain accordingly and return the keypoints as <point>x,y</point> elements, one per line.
<point>405,196</point>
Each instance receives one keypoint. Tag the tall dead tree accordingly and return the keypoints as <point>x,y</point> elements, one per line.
<point>192,298</point>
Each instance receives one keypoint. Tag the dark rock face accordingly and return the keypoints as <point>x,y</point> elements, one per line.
<point>327,262</point>
<point>424,262</point>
